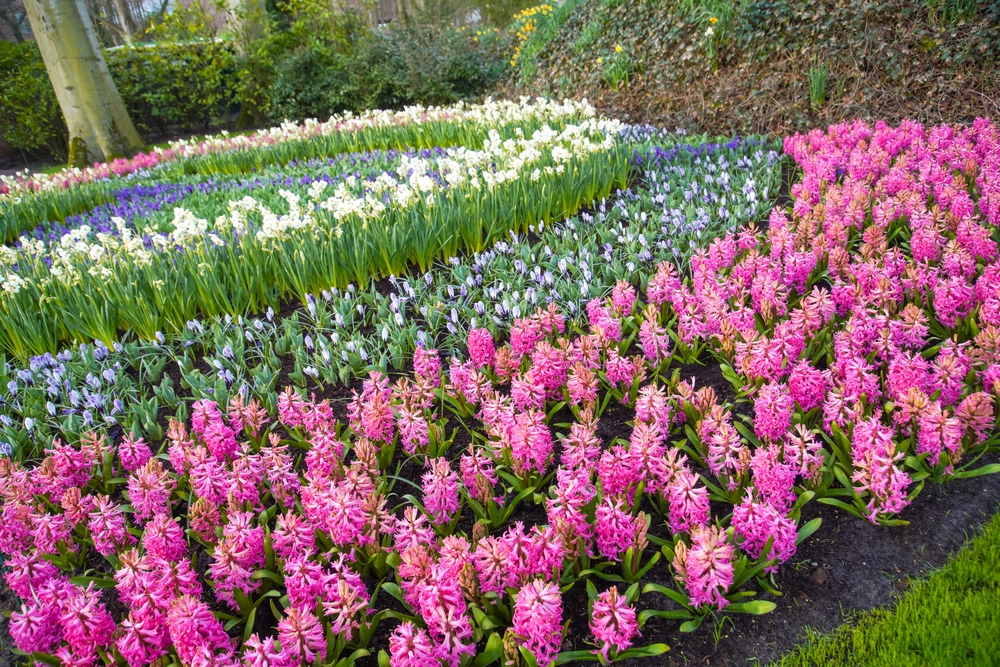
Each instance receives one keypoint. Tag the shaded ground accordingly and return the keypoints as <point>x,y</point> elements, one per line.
<point>881,60</point>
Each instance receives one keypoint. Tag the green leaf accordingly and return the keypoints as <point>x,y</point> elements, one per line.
<point>989,469</point>
<point>383,659</point>
<point>657,613</point>
<point>98,582</point>
<point>492,652</point>
<point>575,656</point>
<point>808,529</point>
<point>267,574</point>
<point>755,607</point>
<point>643,651</point>
<point>250,621</point>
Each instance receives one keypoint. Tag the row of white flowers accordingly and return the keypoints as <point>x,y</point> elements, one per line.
<point>490,113</point>
<point>463,173</point>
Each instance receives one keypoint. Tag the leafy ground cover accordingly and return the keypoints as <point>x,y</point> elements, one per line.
<point>633,392</point>
<point>776,66</point>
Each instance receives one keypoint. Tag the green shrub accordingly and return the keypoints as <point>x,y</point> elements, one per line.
<point>386,69</point>
<point>189,86</point>
<point>30,119</point>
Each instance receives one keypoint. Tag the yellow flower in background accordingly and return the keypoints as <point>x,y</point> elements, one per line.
<point>600,61</point>
<point>713,20</point>
<point>618,48</point>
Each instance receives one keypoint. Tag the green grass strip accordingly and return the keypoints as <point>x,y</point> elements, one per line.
<point>952,618</point>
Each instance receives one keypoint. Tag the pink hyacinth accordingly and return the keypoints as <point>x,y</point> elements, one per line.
<point>773,409</point>
<point>688,502</point>
<point>481,349</point>
<point>164,538</point>
<point>478,474</point>
<point>194,630</point>
<point>654,340</point>
<point>412,530</point>
<point>538,620</point>
<point>757,522</point>
<point>345,599</point>
<point>524,334</point>
<point>427,365</point>
<point>622,298</point>
<point>301,635</point>
<point>370,413</point>
<point>876,470</point>
<point>27,572</point>
<point>85,621</point>
<point>36,628</point>
<point>409,646</point>
<point>548,368</point>
<point>938,433</point>
<point>663,285</point>
<point>581,385</point>
<point>807,386</point>
<point>293,536</point>
<point>531,442</point>
<point>144,639</point>
<point>615,530</point>
<point>440,486</point>
<point>107,527</point>
<point>613,622</point>
<point>149,489</point>
<point>706,568</point>
<point>133,452</point>
<point>257,653</point>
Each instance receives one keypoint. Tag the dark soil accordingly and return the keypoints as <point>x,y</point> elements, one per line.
<point>847,566</point>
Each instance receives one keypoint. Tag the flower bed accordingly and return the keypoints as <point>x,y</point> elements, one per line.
<point>555,457</point>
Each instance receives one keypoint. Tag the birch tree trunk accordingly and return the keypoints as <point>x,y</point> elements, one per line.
<point>98,123</point>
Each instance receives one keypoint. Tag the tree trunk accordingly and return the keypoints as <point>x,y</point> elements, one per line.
<point>125,20</point>
<point>245,18</point>
<point>98,123</point>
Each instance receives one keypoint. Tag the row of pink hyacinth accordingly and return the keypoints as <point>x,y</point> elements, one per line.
<point>186,149</point>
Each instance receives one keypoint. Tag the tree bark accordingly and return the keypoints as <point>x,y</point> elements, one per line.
<point>125,20</point>
<point>98,123</point>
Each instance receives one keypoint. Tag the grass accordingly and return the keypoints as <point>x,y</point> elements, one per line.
<point>952,618</point>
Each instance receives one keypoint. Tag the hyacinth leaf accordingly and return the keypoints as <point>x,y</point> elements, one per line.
<point>808,529</point>
<point>989,469</point>
<point>672,614</point>
<point>527,657</point>
<point>801,501</point>
<point>353,658</point>
<point>755,607</point>
<point>643,651</point>
<point>383,659</point>
<point>250,621</point>
<point>693,624</point>
<point>44,658</point>
<point>648,566</point>
<point>395,591</point>
<point>844,506</point>
<point>492,652</point>
<point>99,582</point>
<point>268,574</point>
<point>576,656</point>
<point>748,434</point>
<point>674,595</point>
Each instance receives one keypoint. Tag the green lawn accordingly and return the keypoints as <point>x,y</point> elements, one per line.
<point>952,619</point>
